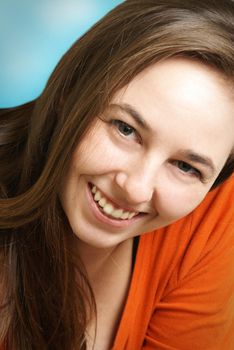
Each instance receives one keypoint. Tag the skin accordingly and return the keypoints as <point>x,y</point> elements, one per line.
<point>187,106</point>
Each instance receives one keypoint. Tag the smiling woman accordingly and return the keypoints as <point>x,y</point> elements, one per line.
<point>161,166</point>
<point>116,208</point>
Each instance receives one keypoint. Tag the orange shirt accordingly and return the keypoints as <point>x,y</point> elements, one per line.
<point>182,290</point>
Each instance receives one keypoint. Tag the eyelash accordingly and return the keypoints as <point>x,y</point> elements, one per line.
<point>119,123</point>
<point>192,171</point>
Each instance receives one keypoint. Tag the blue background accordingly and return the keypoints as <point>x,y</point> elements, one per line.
<point>34,34</point>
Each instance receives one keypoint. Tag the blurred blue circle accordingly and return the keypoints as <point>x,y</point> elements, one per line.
<point>33,37</point>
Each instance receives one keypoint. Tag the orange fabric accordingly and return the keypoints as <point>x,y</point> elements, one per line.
<point>182,291</point>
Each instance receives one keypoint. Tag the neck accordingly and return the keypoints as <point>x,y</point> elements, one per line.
<point>99,259</point>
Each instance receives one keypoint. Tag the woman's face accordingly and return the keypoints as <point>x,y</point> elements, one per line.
<point>154,155</point>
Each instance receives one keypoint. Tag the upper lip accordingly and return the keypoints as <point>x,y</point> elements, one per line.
<point>117,203</point>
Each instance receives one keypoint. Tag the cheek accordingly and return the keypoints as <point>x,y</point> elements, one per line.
<point>176,203</point>
<point>68,191</point>
<point>98,156</point>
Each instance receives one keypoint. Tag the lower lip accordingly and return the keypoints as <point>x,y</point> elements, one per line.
<point>105,219</point>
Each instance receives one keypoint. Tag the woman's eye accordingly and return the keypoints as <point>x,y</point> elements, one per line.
<point>124,128</point>
<point>187,168</point>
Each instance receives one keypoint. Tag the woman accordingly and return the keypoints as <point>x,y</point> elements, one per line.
<point>133,135</point>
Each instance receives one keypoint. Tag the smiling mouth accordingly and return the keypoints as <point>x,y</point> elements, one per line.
<point>109,209</point>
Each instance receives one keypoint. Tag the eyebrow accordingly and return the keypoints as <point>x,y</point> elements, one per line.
<point>125,107</point>
<point>187,154</point>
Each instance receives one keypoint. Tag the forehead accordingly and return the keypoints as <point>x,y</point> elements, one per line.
<point>190,85</point>
<point>187,80</point>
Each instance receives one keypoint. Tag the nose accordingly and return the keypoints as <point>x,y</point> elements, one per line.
<point>137,185</point>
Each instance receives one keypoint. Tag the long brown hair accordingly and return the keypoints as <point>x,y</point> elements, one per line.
<point>46,300</point>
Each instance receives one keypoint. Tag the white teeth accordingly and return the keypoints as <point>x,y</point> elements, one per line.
<point>131,215</point>
<point>97,196</point>
<point>102,202</point>
<point>125,215</point>
<point>109,208</point>
<point>117,213</point>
